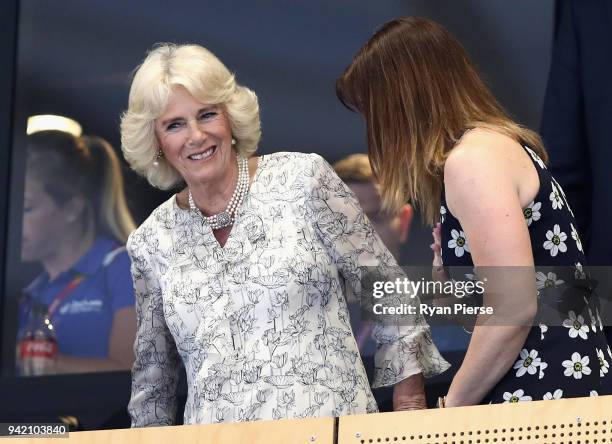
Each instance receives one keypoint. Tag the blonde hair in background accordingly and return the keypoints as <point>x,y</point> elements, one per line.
<point>206,78</point>
<point>419,92</point>
<point>87,166</point>
<point>354,168</point>
<point>113,213</point>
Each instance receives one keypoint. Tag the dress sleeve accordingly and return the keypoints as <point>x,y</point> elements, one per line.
<point>157,366</point>
<point>346,232</point>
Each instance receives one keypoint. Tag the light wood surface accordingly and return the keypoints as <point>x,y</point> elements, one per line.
<point>579,420</point>
<point>576,421</point>
<point>305,431</point>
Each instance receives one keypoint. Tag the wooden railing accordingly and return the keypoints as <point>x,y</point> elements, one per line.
<point>580,420</point>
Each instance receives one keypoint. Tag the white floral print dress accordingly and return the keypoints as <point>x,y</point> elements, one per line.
<point>261,324</point>
<point>556,361</point>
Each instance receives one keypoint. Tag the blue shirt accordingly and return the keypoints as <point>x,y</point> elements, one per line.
<point>83,320</point>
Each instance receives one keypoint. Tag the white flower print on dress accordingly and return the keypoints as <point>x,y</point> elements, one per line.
<point>458,242</point>
<point>556,241</point>
<point>598,319</point>
<point>604,365</point>
<point>543,329</point>
<point>593,393</point>
<point>528,363</point>
<point>517,396</point>
<point>532,212</point>
<point>576,326</point>
<point>535,157</point>
<point>547,280</point>
<point>560,189</point>
<point>593,320</point>
<point>577,366</point>
<point>609,352</point>
<point>442,213</point>
<point>543,366</point>
<point>555,197</point>
<point>558,394</point>
<point>576,237</point>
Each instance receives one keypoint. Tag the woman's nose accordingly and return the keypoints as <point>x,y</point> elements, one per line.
<point>196,134</point>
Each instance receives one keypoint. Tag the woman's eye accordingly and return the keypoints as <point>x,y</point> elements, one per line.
<point>208,115</point>
<point>173,126</point>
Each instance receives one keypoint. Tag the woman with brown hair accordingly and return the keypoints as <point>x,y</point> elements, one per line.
<point>438,137</point>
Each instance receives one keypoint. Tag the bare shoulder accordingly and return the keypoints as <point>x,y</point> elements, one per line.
<point>485,164</point>
<point>481,150</point>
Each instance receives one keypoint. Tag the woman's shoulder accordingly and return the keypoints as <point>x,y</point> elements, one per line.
<point>300,166</point>
<point>290,159</point>
<point>486,164</point>
<point>481,146</point>
<point>165,216</point>
<point>485,153</point>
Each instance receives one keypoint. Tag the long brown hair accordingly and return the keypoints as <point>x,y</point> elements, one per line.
<point>419,92</point>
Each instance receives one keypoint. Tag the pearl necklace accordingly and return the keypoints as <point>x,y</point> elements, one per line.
<point>227,217</point>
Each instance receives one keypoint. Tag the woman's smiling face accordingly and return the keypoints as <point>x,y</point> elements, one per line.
<point>196,138</point>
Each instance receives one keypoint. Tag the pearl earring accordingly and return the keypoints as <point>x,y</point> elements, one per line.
<point>160,154</point>
<point>233,141</point>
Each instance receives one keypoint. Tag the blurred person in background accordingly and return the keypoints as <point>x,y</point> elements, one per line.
<point>75,225</point>
<point>393,228</point>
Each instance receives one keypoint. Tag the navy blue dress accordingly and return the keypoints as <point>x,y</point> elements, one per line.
<point>570,358</point>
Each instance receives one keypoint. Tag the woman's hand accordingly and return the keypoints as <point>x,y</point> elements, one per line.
<point>437,271</point>
<point>436,232</point>
<point>409,394</point>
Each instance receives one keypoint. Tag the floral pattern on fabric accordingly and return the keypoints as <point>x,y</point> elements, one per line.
<point>563,360</point>
<point>261,325</point>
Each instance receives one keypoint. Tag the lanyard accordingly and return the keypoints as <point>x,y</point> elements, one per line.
<point>62,295</point>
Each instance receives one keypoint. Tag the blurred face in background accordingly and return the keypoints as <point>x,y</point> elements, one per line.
<point>392,229</point>
<point>45,222</point>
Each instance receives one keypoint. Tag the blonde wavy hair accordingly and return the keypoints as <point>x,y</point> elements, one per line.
<point>208,80</point>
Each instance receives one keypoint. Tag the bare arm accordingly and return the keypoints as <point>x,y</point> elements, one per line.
<point>482,182</point>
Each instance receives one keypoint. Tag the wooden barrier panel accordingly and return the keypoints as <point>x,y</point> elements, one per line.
<point>564,421</point>
<point>305,431</point>
<point>578,420</point>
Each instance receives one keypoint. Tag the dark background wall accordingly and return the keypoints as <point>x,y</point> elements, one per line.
<point>75,58</point>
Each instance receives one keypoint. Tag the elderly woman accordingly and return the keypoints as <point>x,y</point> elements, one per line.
<point>241,274</point>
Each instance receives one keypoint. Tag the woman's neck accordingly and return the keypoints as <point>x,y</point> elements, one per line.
<point>213,198</point>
